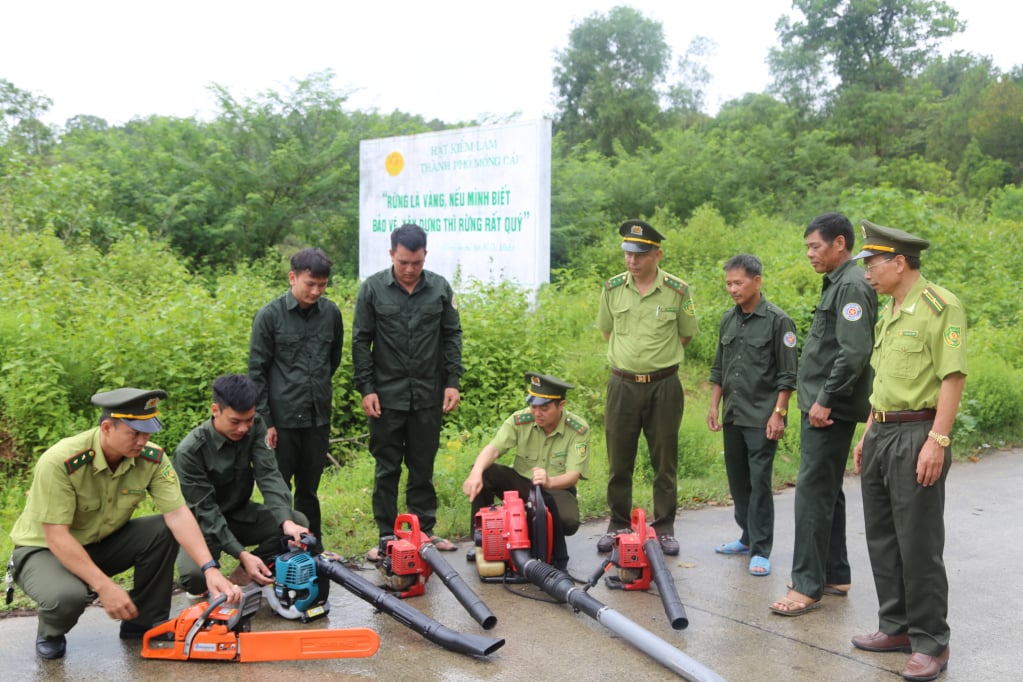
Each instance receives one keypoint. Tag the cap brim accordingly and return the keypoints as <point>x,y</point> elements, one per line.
<point>151,425</point>
<point>636,247</point>
<point>536,400</point>
<point>867,253</point>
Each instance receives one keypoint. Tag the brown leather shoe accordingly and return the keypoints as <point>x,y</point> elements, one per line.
<point>923,668</point>
<point>879,641</point>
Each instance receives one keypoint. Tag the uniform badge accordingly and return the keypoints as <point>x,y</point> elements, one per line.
<point>789,339</point>
<point>689,308</point>
<point>953,337</point>
<point>852,311</point>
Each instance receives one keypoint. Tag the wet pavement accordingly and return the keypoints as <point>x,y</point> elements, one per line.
<point>731,630</point>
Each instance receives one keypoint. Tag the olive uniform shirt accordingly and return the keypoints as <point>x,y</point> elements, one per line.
<point>218,475</point>
<point>917,347</point>
<point>406,348</point>
<point>565,449</point>
<point>73,486</point>
<point>756,359</point>
<point>645,329</point>
<point>834,367</point>
<point>293,353</point>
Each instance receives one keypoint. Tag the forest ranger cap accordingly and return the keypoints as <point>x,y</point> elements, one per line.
<point>543,388</point>
<point>135,406</point>
<point>639,236</point>
<point>878,239</point>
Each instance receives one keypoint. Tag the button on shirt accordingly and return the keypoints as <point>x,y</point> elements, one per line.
<point>565,449</point>
<point>917,347</point>
<point>406,348</point>
<point>92,500</point>
<point>756,358</point>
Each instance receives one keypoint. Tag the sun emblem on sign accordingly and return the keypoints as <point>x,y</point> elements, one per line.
<point>394,163</point>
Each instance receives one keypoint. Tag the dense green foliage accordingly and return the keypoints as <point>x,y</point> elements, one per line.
<point>137,254</point>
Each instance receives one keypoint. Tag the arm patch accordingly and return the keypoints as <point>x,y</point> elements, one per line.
<point>78,460</point>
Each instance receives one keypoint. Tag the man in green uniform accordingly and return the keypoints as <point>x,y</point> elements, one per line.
<point>551,451</point>
<point>754,371</point>
<point>903,458</point>
<point>219,463</point>
<point>294,351</point>
<point>76,529</point>
<point>407,358</point>
<point>647,316</point>
<point>832,389</point>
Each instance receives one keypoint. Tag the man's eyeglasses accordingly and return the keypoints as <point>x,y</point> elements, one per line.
<point>870,268</point>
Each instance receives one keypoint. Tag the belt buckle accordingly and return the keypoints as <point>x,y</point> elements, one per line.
<point>642,378</point>
<point>879,416</point>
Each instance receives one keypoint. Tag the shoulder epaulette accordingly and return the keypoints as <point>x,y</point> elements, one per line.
<point>524,418</point>
<point>678,285</point>
<point>935,302</point>
<point>78,460</point>
<point>616,281</point>
<point>152,453</point>
<point>577,425</point>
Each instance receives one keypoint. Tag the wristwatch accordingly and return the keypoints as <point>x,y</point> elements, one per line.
<point>781,410</point>
<point>943,441</point>
<point>212,563</point>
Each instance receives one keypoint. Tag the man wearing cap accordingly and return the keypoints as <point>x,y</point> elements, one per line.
<point>754,371</point>
<point>294,350</point>
<point>76,529</point>
<point>219,463</point>
<point>904,455</point>
<point>647,316</point>
<point>832,389</point>
<point>551,450</point>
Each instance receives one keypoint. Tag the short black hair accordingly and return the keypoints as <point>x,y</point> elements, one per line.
<point>830,226</point>
<point>746,261</point>
<point>313,260</point>
<point>236,391</point>
<point>409,235</point>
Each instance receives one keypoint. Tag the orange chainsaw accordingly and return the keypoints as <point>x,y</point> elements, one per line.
<point>214,631</point>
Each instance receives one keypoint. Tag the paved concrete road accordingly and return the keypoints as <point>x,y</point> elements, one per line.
<point>731,630</point>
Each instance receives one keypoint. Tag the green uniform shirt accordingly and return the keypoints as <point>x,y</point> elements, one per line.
<point>406,348</point>
<point>292,355</point>
<point>756,358</point>
<point>834,369</point>
<point>73,486</point>
<point>645,329</point>
<point>917,347</point>
<point>565,449</point>
<point>218,475</point>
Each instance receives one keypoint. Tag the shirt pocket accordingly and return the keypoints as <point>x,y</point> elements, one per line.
<point>906,359</point>
<point>759,350</point>
<point>620,315</point>
<point>823,324</point>
<point>87,510</point>
<point>289,346</point>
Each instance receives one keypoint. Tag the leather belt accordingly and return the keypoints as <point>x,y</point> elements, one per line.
<point>904,416</point>
<point>645,378</point>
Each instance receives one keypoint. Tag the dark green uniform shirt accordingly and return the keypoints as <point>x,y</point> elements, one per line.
<point>834,369</point>
<point>73,486</point>
<point>917,348</point>
<point>565,449</point>
<point>406,348</point>
<point>756,358</point>
<point>292,355</point>
<point>218,474</point>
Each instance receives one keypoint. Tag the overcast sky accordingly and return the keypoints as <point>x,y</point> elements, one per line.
<point>455,60</point>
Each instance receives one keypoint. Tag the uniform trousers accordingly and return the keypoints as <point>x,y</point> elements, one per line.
<point>819,554</point>
<point>905,529</point>
<point>412,437</point>
<point>749,461</point>
<point>145,543</point>
<point>301,455</point>
<point>251,524</point>
<point>562,504</point>
<point>655,410</point>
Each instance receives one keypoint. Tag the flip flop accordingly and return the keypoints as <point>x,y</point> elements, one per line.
<point>761,563</point>
<point>794,607</point>
<point>734,547</point>
<point>442,544</point>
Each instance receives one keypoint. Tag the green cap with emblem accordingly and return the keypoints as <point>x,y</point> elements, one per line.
<point>639,236</point>
<point>878,239</point>
<point>543,388</point>
<point>135,406</point>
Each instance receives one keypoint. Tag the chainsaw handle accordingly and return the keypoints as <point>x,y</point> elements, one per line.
<point>156,631</point>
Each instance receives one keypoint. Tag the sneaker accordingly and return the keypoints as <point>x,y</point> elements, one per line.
<point>607,541</point>
<point>669,545</point>
<point>197,597</point>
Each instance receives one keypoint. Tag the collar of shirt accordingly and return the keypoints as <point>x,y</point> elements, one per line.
<point>423,282</point>
<point>836,274</point>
